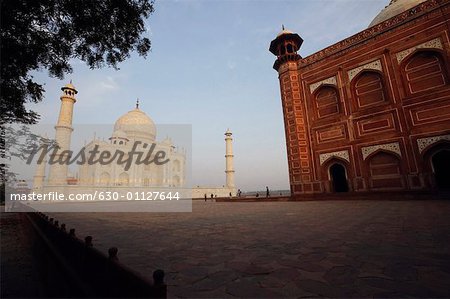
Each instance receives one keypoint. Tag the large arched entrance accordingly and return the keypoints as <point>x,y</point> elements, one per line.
<point>338,178</point>
<point>441,169</point>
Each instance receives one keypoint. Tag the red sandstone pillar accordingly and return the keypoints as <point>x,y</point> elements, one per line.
<point>285,47</point>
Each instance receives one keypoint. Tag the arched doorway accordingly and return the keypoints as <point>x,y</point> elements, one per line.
<point>441,169</point>
<point>123,179</point>
<point>338,178</point>
<point>105,178</point>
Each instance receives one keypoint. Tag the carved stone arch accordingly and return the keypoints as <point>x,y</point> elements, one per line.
<point>365,71</point>
<point>337,175</point>
<point>371,66</point>
<point>434,44</point>
<point>387,151</point>
<point>368,89</point>
<point>323,85</point>
<point>390,148</point>
<point>427,143</point>
<point>437,165</point>
<point>341,155</point>
<point>105,178</point>
<point>384,170</point>
<point>417,51</point>
<point>329,81</point>
<point>123,179</point>
<point>327,160</point>
<point>432,149</point>
<point>326,101</point>
<point>441,169</point>
<point>336,160</point>
<point>424,69</point>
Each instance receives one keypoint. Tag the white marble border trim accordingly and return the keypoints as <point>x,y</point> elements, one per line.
<point>432,44</point>
<point>340,154</point>
<point>374,65</point>
<point>331,81</point>
<point>423,143</point>
<point>391,147</point>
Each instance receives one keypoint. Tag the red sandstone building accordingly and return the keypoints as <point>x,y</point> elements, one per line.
<point>371,112</point>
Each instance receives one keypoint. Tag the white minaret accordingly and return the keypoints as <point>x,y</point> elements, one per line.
<point>229,159</point>
<point>58,173</point>
<point>39,174</point>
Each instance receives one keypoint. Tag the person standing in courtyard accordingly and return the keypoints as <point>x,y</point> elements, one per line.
<point>205,197</point>
<point>267,191</point>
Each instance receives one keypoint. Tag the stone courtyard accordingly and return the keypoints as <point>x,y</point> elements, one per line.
<point>341,248</point>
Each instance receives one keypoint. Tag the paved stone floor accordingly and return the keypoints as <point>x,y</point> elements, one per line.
<point>285,249</point>
<point>17,265</point>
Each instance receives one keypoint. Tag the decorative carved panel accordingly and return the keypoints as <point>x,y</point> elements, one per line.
<point>432,44</point>
<point>326,102</point>
<point>329,134</point>
<point>331,81</point>
<point>340,154</point>
<point>430,113</point>
<point>376,124</point>
<point>391,147</point>
<point>374,65</point>
<point>423,143</point>
<point>424,71</point>
<point>385,172</point>
<point>369,90</point>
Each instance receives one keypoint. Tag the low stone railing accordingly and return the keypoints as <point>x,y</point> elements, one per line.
<point>88,272</point>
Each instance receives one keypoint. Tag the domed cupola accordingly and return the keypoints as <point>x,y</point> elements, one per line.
<point>136,125</point>
<point>394,8</point>
<point>285,47</point>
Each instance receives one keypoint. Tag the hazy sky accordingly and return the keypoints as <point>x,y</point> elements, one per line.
<point>210,67</point>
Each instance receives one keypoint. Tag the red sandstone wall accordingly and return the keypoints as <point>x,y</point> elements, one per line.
<point>401,94</point>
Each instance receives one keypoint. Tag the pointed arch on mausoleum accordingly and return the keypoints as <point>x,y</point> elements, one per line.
<point>124,179</point>
<point>424,69</point>
<point>342,155</point>
<point>176,181</point>
<point>338,175</point>
<point>176,165</point>
<point>390,148</point>
<point>326,101</point>
<point>368,88</point>
<point>385,170</point>
<point>425,144</point>
<point>105,178</point>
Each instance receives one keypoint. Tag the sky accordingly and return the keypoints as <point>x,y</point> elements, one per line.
<point>210,67</point>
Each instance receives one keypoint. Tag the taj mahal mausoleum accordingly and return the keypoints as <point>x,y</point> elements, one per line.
<point>133,131</point>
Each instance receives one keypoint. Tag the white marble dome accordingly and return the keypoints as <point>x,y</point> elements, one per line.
<point>136,125</point>
<point>119,134</point>
<point>284,31</point>
<point>394,8</point>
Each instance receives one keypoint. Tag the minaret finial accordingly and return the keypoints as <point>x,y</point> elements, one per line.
<point>282,26</point>
<point>137,103</point>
